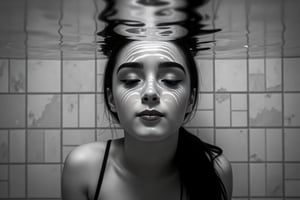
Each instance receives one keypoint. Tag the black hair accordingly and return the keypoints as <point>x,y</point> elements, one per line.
<point>194,158</point>
<point>113,58</point>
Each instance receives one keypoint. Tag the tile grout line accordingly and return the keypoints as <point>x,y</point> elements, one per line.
<point>247,13</point>
<point>26,97</point>
<point>213,76</point>
<point>61,87</point>
<point>96,70</point>
<point>282,95</point>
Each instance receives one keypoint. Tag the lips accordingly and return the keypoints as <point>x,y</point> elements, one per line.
<point>150,115</point>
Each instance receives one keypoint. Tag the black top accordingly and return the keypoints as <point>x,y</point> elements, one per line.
<point>100,180</point>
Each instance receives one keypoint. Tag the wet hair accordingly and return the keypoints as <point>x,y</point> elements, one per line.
<point>194,158</point>
<point>113,56</point>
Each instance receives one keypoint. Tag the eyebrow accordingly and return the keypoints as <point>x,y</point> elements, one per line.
<point>137,65</point>
<point>171,65</point>
<point>134,65</point>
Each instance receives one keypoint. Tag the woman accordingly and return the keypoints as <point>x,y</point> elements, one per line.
<point>151,89</point>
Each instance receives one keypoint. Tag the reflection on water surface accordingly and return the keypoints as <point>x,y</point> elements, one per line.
<point>69,28</point>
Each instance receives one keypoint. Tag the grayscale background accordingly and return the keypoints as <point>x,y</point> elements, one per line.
<point>51,93</point>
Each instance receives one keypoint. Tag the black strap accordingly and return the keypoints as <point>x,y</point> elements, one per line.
<point>100,180</point>
<point>181,189</point>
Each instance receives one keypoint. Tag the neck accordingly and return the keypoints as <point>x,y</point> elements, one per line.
<point>150,158</point>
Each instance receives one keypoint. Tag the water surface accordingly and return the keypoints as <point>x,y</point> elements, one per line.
<point>69,29</point>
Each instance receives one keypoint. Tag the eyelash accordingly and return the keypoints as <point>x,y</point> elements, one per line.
<point>171,82</point>
<point>133,82</point>
<point>130,82</point>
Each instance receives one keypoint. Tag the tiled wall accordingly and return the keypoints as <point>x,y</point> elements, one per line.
<point>250,108</point>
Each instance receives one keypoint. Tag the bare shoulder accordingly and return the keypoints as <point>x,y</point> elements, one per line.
<point>85,154</point>
<point>223,167</point>
<point>79,170</point>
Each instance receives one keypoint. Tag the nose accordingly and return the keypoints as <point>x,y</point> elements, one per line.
<point>150,98</point>
<point>150,94</point>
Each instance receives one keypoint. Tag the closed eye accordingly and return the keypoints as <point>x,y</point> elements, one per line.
<point>130,82</point>
<point>171,83</point>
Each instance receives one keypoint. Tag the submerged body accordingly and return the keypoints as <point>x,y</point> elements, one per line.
<point>150,88</point>
<point>84,164</point>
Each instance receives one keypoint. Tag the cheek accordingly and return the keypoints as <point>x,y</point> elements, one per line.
<point>126,97</point>
<point>175,98</point>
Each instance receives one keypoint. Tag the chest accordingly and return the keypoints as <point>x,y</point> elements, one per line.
<point>117,185</point>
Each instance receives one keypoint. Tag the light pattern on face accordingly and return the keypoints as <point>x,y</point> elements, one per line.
<point>157,72</point>
<point>140,51</point>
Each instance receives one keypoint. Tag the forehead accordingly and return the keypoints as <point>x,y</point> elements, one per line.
<point>140,51</point>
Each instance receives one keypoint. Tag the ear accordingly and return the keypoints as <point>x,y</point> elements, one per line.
<point>191,101</point>
<point>110,99</point>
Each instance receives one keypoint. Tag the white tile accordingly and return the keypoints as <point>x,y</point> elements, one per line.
<point>104,134</point>
<point>205,71</point>
<point>17,145</point>
<point>43,111</point>
<point>70,110</point>
<point>231,75</point>
<point>274,144</point>
<point>291,145</point>
<point>292,170</point>
<point>202,118</point>
<point>3,189</point>
<point>234,143</point>
<point>17,75</point>
<point>273,70</point>
<point>257,80</point>
<point>238,101</point>
<point>223,110</point>
<point>87,110</point>
<point>101,64</point>
<point>291,74</point>
<point>43,75</point>
<point>257,145</point>
<point>239,118</point>
<point>17,181</point>
<point>265,110</point>
<point>240,179</point>
<point>3,75</point>
<point>274,179</point>
<point>52,146</point>
<point>78,136</point>
<point>44,181</point>
<point>103,115</point>
<point>3,146</point>
<point>100,82</point>
<point>292,188</point>
<point>12,113</point>
<point>35,146</point>
<point>205,101</point>
<point>3,172</point>
<point>257,179</point>
<point>79,76</point>
<point>292,109</point>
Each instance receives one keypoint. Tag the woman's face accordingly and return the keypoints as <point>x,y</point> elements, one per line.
<point>151,89</point>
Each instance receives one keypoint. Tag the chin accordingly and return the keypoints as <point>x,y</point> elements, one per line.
<point>151,134</point>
